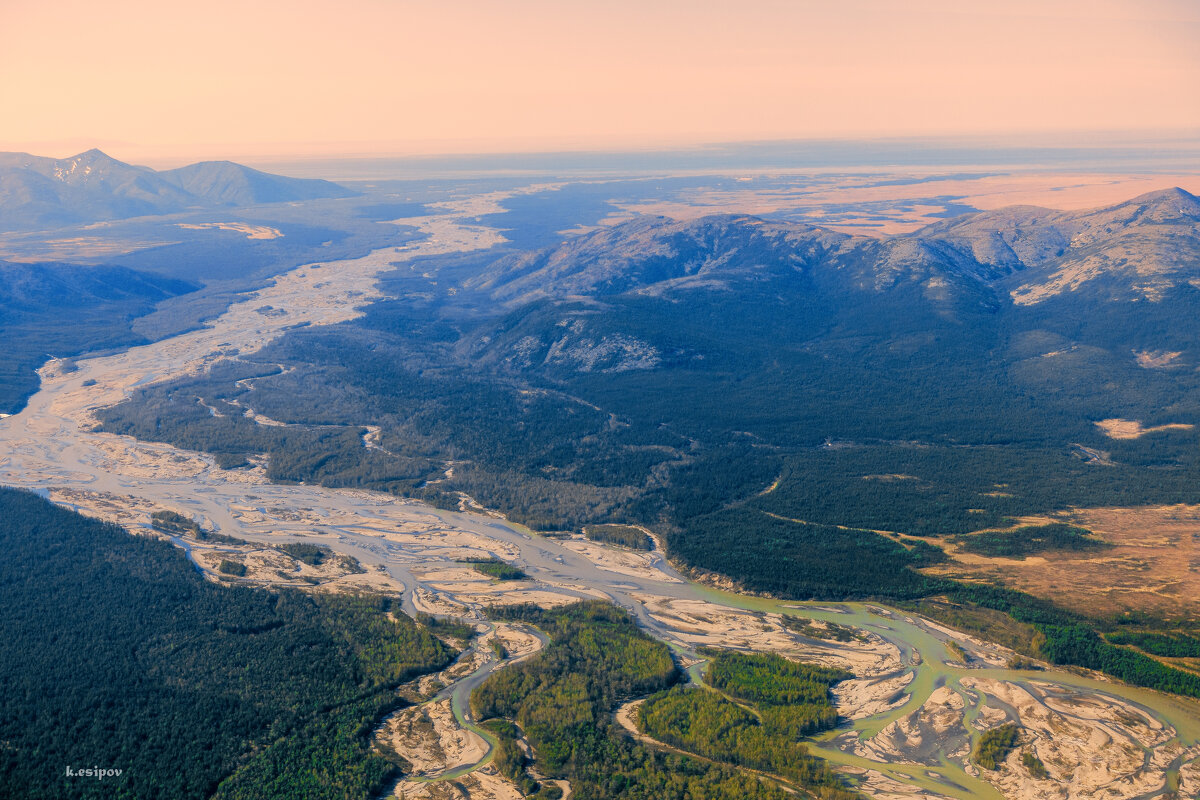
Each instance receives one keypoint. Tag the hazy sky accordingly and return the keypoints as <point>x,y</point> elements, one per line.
<point>159,80</point>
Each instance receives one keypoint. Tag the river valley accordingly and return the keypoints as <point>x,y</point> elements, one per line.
<point>922,693</point>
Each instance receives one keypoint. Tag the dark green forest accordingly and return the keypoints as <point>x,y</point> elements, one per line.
<point>496,569</point>
<point>1036,767</point>
<point>1079,644</point>
<point>771,680</point>
<point>312,554</point>
<point>1063,637</point>
<point>1178,645</point>
<point>716,728</point>
<point>783,702</point>
<point>117,653</point>
<point>623,535</point>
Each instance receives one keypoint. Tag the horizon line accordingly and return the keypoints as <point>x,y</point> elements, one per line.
<point>1083,140</point>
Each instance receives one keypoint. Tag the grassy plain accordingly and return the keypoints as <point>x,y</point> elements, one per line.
<point>1151,566</point>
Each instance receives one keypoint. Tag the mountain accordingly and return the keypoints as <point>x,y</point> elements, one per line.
<point>657,252</point>
<point>1082,308</point>
<point>37,288</point>
<point>1140,249</point>
<point>1143,248</point>
<point>45,192</point>
<point>38,192</point>
<point>590,304</point>
<point>227,183</point>
<point>733,253</point>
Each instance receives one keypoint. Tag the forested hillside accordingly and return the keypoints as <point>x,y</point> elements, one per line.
<point>101,303</point>
<point>744,387</point>
<point>117,654</point>
<point>806,412</point>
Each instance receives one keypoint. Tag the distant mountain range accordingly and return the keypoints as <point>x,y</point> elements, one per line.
<point>1087,307</point>
<point>38,192</point>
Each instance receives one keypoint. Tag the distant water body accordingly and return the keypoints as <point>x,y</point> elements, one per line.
<point>1082,153</point>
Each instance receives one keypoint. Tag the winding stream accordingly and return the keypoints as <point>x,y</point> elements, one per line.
<point>933,670</point>
<point>50,446</point>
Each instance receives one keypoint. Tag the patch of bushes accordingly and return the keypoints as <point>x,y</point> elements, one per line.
<point>623,535</point>
<point>496,569</point>
<point>1030,539</point>
<point>312,554</point>
<point>994,745</point>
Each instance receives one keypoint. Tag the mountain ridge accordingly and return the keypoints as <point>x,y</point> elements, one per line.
<point>1140,248</point>
<point>42,192</point>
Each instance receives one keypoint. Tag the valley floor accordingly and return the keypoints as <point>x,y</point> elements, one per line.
<point>1151,565</point>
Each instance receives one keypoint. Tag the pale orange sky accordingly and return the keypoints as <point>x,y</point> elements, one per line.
<point>160,80</point>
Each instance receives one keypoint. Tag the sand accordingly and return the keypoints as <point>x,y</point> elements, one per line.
<point>637,563</point>
<point>485,783</point>
<point>918,737</point>
<point>862,697</point>
<point>1093,746</point>
<point>700,623</point>
<point>430,739</point>
<point>250,231</point>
